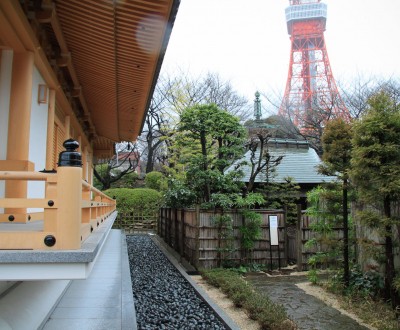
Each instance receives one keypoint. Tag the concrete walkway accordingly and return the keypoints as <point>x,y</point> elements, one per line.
<point>104,301</point>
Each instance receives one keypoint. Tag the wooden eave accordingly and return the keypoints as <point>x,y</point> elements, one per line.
<point>112,51</point>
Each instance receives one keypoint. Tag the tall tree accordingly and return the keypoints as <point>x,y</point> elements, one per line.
<point>172,95</point>
<point>376,169</point>
<point>220,137</point>
<point>336,143</point>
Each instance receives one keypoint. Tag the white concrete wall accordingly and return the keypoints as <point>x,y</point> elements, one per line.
<point>5,90</point>
<point>37,139</point>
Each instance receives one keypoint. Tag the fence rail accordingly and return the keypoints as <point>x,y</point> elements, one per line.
<point>196,236</point>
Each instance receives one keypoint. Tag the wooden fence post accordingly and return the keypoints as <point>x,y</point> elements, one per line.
<point>176,231</point>
<point>159,222</point>
<point>182,238</point>
<point>299,236</point>
<point>197,238</point>
<point>165,225</point>
<point>286,237</point>
<point>169,226</point>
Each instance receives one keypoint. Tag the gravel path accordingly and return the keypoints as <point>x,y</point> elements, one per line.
<point>163,298</point>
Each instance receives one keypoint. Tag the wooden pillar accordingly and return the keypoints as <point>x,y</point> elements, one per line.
<point>19,125</point>
<point>85,169</point>
<point>90,167</point>
<point>50,130</point>
<point>69,215</point>
<point>67,125</point>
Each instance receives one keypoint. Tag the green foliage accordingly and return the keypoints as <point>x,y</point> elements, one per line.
<point>224,223</point>
<point>324,210</point>
<point>362,284</point>
<point>365,284</point>
<point>336,142</point>
<point>130,179</point>
<point>179,195</point>
<point>234,200</point>
<point>312,276</point>
<point>376,152</point>
<point>127,181</point>
<point>215,139</point>
<point>258,306</point>
<point>102,169</point>
<point>376,170</point>
<point>396,283</point>
<point>281,195</point>
<point>156,180</point>
<point>141,201</point>
<point>251,230</point>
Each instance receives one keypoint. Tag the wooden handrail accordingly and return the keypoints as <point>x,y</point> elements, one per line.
<point>61,212</point>
<point>22,175</point>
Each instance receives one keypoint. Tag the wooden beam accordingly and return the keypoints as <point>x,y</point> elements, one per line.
<point>64,60</point>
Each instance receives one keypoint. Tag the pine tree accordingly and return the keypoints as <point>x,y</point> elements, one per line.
<point>376,169</point>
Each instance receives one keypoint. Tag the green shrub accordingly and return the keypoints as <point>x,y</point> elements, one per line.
<point>258,306</point>
<point>141,201</point>
<point>156,180</point>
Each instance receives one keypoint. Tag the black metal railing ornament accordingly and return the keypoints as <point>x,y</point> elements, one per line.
<point>70,157</point>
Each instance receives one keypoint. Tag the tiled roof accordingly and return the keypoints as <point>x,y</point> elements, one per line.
<point>299,162</point>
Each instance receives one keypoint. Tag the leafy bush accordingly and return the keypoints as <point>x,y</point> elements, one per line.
<point>179,195</point>
<point>141,201</point>
<point>156,180</point>
<point>251,230</point>
<point>366,284</point>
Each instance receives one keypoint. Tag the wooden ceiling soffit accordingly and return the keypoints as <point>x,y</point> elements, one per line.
<point>116,48</point>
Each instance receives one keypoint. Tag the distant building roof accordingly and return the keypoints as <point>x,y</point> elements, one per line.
<point>299,162</point>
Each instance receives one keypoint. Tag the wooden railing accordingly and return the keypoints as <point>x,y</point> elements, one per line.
<point>72,210</point>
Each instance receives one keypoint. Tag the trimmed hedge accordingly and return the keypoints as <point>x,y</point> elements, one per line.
<point>258,306</point>
<point>143,201</point>
<point>156,180</point>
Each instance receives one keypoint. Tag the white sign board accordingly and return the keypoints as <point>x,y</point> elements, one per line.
<point>273,229</point>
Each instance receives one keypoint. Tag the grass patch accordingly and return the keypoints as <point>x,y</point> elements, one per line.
<point>258,306</point>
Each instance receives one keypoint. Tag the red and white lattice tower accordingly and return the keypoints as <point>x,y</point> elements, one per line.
<point>311,95</point>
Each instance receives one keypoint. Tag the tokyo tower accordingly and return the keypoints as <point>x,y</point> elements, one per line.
<point>311,96</point>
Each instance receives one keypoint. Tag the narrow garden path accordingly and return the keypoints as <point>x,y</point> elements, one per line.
<point>310,313</point>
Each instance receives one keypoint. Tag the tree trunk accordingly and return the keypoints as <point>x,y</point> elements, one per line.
<point>150,162</point>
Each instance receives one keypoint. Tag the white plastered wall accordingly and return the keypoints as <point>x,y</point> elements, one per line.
<point>5,90</point>
<point>37,138</point>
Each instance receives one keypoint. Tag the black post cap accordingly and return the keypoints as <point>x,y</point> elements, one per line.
<point>70,157</point>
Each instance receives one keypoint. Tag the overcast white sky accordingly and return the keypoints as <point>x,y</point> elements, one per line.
<point>247,43</point>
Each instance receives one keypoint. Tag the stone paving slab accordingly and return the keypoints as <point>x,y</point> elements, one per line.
<point>310,313</point>
<point>104,301</point>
